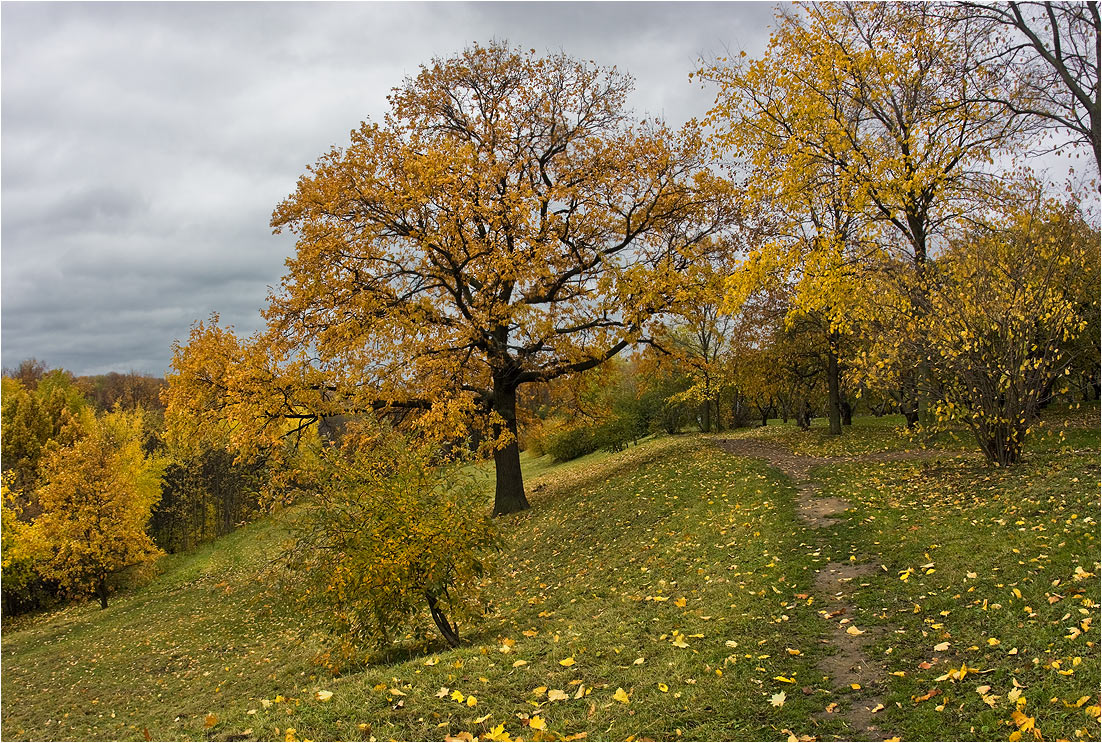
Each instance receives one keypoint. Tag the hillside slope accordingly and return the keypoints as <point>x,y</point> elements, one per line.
<point>665,592</point>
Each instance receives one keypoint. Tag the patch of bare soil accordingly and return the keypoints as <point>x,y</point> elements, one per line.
<point>850,665</point>
<point>819,511</point>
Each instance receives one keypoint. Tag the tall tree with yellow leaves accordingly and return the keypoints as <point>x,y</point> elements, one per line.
<point>866,129</point>
<point>508,222</point>
<point>96,498</point>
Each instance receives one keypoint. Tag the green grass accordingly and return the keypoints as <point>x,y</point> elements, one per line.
<point>1000,564</point>
<point>1063,426</point>
<point>668,519</point>
<point>872,434</point>
<point>582,575</point>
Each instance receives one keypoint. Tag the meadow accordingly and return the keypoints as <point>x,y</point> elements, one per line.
<point>665,592</point>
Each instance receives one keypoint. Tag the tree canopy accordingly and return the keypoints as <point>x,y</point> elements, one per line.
<point>508,222</point>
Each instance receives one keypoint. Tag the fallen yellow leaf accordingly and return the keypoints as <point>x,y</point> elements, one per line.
<point>499,734</point>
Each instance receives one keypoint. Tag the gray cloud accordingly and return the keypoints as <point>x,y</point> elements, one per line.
<point>144,145</point>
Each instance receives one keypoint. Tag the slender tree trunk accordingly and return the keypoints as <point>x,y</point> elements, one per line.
<point>448,630</point>
<point>847,412</point>
<point>908,399</point>
<point>101,591</point>
<point>803,414</point>
<point>509,492</point>
<point>834,406</point>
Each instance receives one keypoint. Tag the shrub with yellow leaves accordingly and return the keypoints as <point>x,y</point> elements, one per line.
<point>1004,308</point>
<point>390,534</point>
<point>17,564</point>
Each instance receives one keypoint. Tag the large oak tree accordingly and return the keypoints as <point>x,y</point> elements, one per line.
<point>508,222</point>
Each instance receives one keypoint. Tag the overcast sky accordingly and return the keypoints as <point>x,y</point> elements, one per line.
<point>144,146</point>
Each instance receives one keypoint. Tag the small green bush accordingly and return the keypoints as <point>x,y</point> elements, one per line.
<point>571,444</point>
<point>615,435</point>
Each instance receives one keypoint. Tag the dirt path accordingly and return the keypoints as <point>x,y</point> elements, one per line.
<point>850,668</point>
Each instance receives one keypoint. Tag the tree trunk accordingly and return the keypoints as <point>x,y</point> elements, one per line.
<point>448,630</point>
<point>908,400</point>
<point>706,421</point>
<point>509,491</point>
<point>834,406</point>
<point>803,414</point>
<point>101,592</point>
<point>847,412</point>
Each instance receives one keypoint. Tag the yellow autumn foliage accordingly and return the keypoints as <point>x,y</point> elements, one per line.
<point>96,499</point>
<point>389,535</point>
<point>1005,307</point>
<point>506,223</point>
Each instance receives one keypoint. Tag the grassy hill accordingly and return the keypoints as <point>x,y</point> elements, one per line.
<point>666,592</point>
